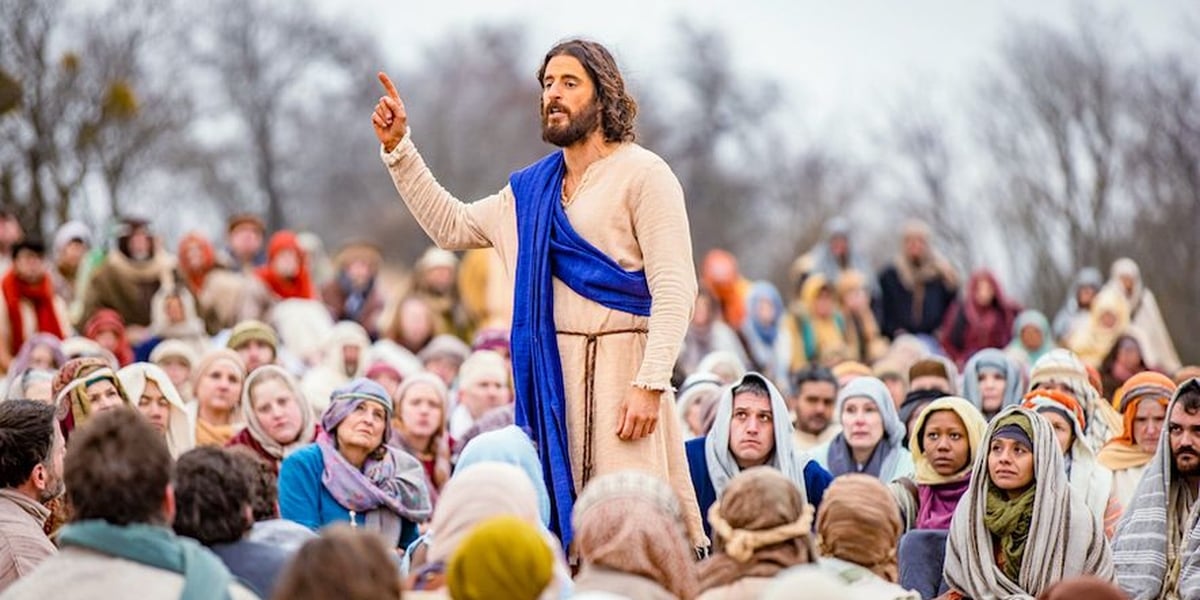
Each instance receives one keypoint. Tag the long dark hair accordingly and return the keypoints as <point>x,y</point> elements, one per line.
<point>617,108</point>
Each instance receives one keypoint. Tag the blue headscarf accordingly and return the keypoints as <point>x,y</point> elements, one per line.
<point>513,446</point>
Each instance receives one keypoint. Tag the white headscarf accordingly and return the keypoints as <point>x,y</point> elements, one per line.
<point>181,429</point>
<point>722,466</point>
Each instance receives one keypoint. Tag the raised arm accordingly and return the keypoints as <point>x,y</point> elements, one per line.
<point>450,223</point>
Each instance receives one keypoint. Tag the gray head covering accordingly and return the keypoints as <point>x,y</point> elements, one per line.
<point>722,466</point>
<point>996,360</point>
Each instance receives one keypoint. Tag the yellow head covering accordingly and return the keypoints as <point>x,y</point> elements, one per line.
<point>504,557</point>
<point>973,422</point>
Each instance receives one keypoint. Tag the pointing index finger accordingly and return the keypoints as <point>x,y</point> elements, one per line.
<point>388,85</point>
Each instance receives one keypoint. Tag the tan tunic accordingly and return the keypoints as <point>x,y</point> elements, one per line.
<point>630,206</point>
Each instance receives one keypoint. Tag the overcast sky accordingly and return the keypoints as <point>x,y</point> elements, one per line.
<point>837,60</point>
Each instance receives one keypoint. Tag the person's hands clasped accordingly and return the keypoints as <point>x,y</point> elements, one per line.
<point>390,119</point>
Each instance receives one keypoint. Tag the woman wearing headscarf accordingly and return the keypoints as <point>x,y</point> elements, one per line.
<point>41,352</point>
<point>1031,338</point>
<point>858,527</point>
<point>982,318</point>
<point>1126,277</point>
<point>944,442</point>
<point>1088,479</point>
<point>107,328</point>
<point>174,317</point>
<point>1142,402</point>
<point>151,390</point>
<point>286,272</point>
<point>1122,362</point>
<point>631,539</point>
<point>917,288</point>
<point>822,326</point>
<point>344,357</point>
<point>725,365</point>
<point>353,474</point>
<point>420,426</point>
<point>177,360</point>
<point>762,525</point>
<point>767,333</point>
<point>278,419</point>
<point>1076,309</point>
<point>196,260</point>
<point>218,390</point>
<point>470,498</point>
<point>872,436</point>
<point>84,387</point>
<point>1108,320</point>
<point>991,381</point>
<point>1020,528</point>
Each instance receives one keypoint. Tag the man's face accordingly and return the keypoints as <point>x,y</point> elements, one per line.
<point>256,353</point>
<point>140,244</point>
<point>751,430</point>
<point>439,279</point>
<point>245,240</point>
<point>814,406</point>
<point>54,485</point>
<point>569,108</point>
<point>1184,431</point>
<point>839,246</point>
<point>29,266</point>
<point>915,247</point>
<point>10,231</point>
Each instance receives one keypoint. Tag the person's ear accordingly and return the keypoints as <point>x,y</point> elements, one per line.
<point>39,477</point>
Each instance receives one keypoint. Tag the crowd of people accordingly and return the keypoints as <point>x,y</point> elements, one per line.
<point>247,417</point>
<point>892,436</point>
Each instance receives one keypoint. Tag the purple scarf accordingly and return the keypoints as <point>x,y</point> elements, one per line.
<point>937,503</point>
<point>396,482</point>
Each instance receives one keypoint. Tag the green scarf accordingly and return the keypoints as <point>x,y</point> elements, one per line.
<point>1009,521</point>
<point>205,576</point>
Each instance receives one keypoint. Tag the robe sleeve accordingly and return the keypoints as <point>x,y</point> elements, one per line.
<point>660,224</point>
<point>449,222</point>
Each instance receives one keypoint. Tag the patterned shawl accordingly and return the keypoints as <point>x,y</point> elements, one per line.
<point>1151,546</point>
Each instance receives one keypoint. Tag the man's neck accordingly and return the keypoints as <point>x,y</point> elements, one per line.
<point>580,155</point>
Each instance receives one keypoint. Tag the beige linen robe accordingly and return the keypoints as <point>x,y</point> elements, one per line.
<point>630,206</point>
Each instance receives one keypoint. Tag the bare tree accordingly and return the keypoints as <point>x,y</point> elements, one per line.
<point>1052,123</point>
<point>271,64</point>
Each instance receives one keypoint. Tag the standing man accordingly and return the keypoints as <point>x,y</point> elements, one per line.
<point>597,236</point>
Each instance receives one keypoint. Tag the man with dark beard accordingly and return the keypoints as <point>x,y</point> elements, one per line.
<point>31,469</point>
<point>604,277</point>
<point>1155,559</point>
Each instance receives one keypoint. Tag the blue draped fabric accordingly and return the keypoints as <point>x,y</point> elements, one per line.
<point>548,247</point>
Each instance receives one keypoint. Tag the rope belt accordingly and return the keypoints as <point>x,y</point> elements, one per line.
<point>589,390</point>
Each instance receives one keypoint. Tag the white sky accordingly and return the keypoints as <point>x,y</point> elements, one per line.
<point>837,60</point>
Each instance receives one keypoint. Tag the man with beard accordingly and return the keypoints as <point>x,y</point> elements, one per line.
<point>1155,559</point>
<point>604,277</point>
<point>128,279</point>
<point>31,469</point>
<point>816,393</point>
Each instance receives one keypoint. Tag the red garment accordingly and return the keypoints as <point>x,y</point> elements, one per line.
<point>720,275</point>
<point>41,295</point>
<point>195,278</point>
<point>301,285</point>
<point>969,327</point>
<point>107,319</point>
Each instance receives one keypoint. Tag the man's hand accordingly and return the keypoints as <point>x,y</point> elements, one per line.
<point>389,118</point>
<point>639,414</point>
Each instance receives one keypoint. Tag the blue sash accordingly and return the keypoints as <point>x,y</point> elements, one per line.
<point>548,247</point>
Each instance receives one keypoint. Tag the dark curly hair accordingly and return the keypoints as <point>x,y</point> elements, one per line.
<point>617,108</point>
<point>212,493</point>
